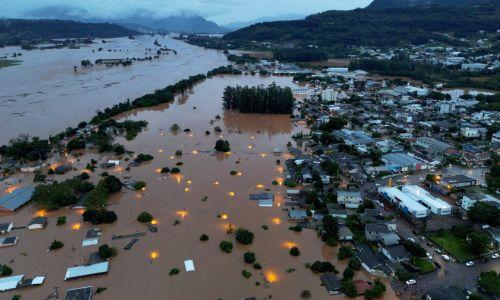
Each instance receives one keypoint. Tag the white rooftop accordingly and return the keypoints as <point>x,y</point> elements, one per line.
<point>420,194</point>
<point>81,271</point>
<point>10,283</point>
<point>189,265</point>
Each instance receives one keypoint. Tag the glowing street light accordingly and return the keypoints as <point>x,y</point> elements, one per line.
<point>76,226</point>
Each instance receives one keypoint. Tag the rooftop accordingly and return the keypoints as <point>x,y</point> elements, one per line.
<point>17,198</point>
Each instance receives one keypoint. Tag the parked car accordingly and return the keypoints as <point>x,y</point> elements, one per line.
<point>411,282</point>
<point>446,257</point>
<point>429,244</point>
<point>411,240</point>
<point>469,263</point>
<point>438,251</point>
<point>495,256</point>
<point>429,256</point>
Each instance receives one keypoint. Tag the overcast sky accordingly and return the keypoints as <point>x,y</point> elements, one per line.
<point>220,11</point>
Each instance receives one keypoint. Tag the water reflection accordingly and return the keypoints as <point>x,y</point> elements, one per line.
<point>255,123</point>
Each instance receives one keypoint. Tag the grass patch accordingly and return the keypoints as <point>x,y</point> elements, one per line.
<point>452,245</point>
<point>424,264</point>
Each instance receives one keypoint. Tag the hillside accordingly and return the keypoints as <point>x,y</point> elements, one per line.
<point>384,4</point>
<point>179,23</point>
<point>373,27</point>
<point>15,31</point>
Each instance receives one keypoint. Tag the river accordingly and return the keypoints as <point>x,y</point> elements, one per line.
<point>43,95</point>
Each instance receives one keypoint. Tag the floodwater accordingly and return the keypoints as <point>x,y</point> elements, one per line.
<point>203,190</point>
<point>43,95</point>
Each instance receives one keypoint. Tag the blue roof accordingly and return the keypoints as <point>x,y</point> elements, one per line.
<point>17,198</point>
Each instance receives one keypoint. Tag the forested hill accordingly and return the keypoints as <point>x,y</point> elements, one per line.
<point>367,27</point>
<point>384,4</point>
<point>15,31</point>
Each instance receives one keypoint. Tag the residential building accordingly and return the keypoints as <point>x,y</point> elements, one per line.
<point>351,199</point>
<point>458,181</point>
<point>396,253</point>
<point>381,233</point>
<point>331,283</point>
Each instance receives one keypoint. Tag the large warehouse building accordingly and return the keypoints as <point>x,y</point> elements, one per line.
<point>436,205</point>
<point>408,204</point>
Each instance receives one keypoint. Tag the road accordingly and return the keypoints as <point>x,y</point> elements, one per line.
<point>450,273</point>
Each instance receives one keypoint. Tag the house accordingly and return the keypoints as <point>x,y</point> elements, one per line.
<point>83,293</point>
<point>345,234</point>
<point>92,237</point>
<point>469,199</point>
<point>469,132</point>
<point>31,168</point>
<point>331,283</point>
<point>297,214</point>
<point>402,162</point>
<point>18,281</point>
<point>8,241</point>
<point>432,146</point>
<point>19,197</point>
<point>86,270</point>
<point>396,253</point>
<point>351,199</point>
<point>6,227</point>
<point>458,181</point>
<point>37,223</point>
<point>381,233</point>
<point>369,260</point>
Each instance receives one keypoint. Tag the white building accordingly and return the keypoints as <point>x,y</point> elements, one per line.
<point>436,205</point>
<point>469,132</point>
<point>495,138</point>
<point>405,202</point>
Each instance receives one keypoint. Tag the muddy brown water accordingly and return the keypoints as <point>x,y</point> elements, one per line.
<point>43,95</point>
<point>133,274</point>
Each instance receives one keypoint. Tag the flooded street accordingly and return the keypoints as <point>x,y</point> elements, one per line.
<point>203,190</point>
<point>43,95</point>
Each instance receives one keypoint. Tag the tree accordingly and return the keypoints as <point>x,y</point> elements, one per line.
<point>294,251</point>
<point>139,185</point>
<point>244,236</point>
<point>349,289</point>
<point>345,252</point>
<point>204,237</point>
<point>335,123</point>
<point>113,184</point>
<point>376,291</point>
<point>348,274</point>
<point>106,252</point>
<point>54,196</point>
<point>414,248</point>
<point>478,242</point>
<point>145,217</point>
<point>226,246</point>
<point>249,257</point>
<point>222,146</point>
<point>330,227</point>
<point>482,212</point>
<point>270,100</point>
<point>56,245</point>
<point>490,282</point>
<point>322,267</point>
<point>354,264</point>
<point>333,168</point>
<point>173,271</point>
<point>5,270</point>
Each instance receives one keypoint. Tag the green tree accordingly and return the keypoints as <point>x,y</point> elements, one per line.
<point>145,217</point>
<point>106,252</point>
<point>482,212</point>
<point>244,236</point>
<point>490,281</point>
<point>222,146</point>
<point>249,257</point>
<point>226,246</point>
<point>478,242</point>
<point>349,289</point>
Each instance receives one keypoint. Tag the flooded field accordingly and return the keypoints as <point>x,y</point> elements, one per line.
<point>43,95</point>
<point>203,190</point>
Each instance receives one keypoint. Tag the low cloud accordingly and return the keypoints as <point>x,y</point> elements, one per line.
<point>221,11</point>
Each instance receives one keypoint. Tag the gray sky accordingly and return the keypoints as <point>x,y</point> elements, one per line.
<point>220,11</point>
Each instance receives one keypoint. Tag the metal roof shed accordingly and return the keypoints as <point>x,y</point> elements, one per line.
<point>83,293</point>
<point>10,283</point>
<point>89,270</point>
<point>16,199</point>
